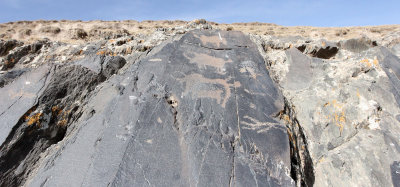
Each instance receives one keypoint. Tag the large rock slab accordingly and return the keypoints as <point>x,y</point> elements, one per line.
<point>199,110</point>
<point>20,96</point>
<point>348,111</point>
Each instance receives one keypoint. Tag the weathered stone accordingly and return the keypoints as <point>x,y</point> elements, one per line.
<point>194,111</point>
<point>6,46</point>
<point>13,58</point>
<point>357,45</point>
<point>322,49</point>
<point>200,109</point>
<point>9,76</point>
<point>346,111</point>
<point>299,75</point>
<point>395,169</point>
<point>49,112</point>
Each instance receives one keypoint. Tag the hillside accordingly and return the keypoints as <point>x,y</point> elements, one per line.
<point>175,103</point>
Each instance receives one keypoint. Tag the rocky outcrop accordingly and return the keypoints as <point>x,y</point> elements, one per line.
<point>346,110</point>
<point>197,106</point>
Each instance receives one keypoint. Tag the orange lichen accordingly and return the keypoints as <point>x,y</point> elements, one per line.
<point>54,108</point>
<point>376,62</point>
<point>62,122</point>
<point>34,119</point>
<point>291,139</point>
<point>338,117</point>
<point>128,51</point>
<point>100,53</point>
<point>366,62</point>
<point>106,52</point>
<point>286,118</point>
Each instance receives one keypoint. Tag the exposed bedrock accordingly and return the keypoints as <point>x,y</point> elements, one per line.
<point>199,108</point>
<point>346,108</point>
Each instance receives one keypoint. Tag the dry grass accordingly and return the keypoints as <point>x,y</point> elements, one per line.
<point>83,31</point>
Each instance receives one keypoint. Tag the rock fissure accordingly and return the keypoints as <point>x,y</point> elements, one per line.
<point>46,123</point>
<point>302,170</point>
<point>232,175</point>
<point>211,48</point>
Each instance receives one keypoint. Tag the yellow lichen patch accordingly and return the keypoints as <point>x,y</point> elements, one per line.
<point>321,160</point>
<point>375,62</point>
<point>366,62</point>
<point>34,119</point>
<point>128,50</point>
<point>100,53</point>
<point>323,43</point>
<point>358,94</point>
<point>286,118</point>
<point>339,120</point>
<point>62,122</point>
<point>338,116</point>
<point>54,108</point>
<point>106,52</point>
<point>56,111</point>
<point>64,118</point>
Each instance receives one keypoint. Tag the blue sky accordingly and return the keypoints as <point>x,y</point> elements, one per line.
<point>284,12</point>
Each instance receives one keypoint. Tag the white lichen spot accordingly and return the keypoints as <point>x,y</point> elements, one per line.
<point>155,60</point>
<point>125,82</point>
<point>373,123</point>
<point>133,99</point>
<point>121,137</point>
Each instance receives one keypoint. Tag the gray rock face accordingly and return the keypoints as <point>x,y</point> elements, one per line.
<point>357,45</point>
<point>50,104</point>
<point>345,110</point>
<point>199,110</point>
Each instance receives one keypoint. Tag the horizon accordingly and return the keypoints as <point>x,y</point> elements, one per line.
<point>285,13</point>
